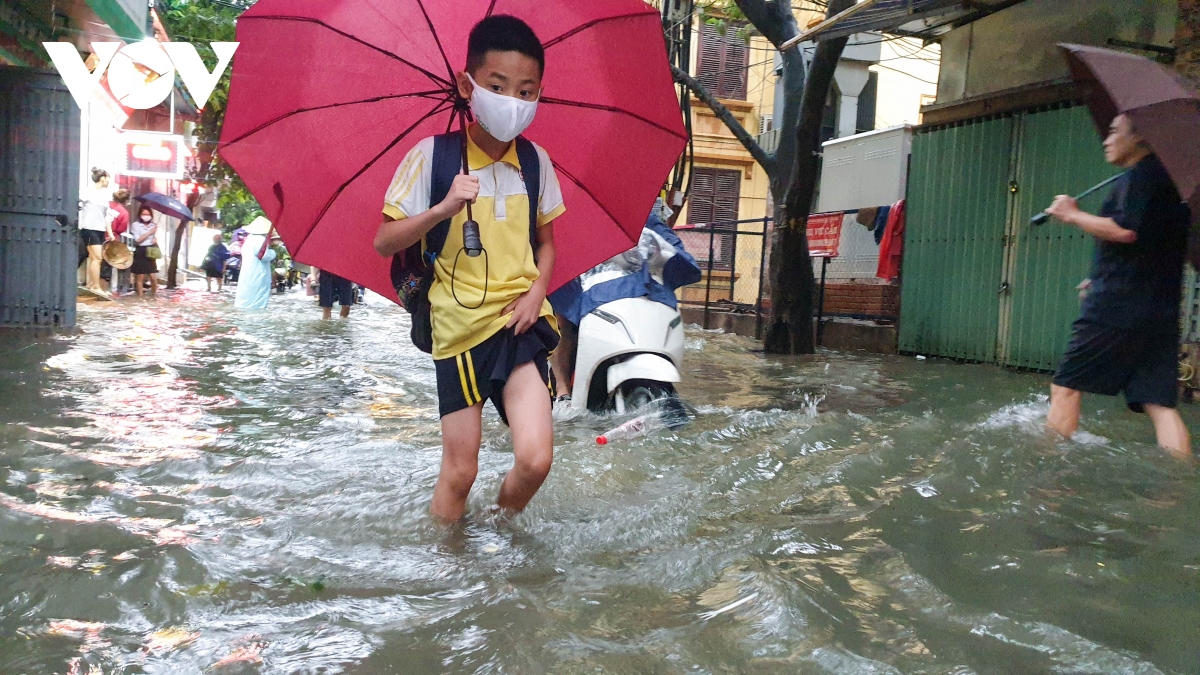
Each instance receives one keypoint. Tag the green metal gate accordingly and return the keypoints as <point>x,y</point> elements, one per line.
<point>953,246</point>
<point>980,283</point>
<point>1058,152</point>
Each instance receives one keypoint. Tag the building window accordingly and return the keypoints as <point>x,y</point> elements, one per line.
<point>715,197</point>
<point>724,61</point>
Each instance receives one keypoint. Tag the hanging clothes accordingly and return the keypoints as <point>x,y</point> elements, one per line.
<point>892,247</point>
<point>866,217</point>
<point>881,218</point>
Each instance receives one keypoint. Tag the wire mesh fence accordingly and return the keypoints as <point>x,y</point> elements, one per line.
<point>733,256</point>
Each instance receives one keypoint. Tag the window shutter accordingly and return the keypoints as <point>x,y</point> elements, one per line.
<point>712,54</point>
<point>715,198</point>
<point>700,206</point>
<point>724,61</point>
<point>727,195</point>
<point>736,64</point>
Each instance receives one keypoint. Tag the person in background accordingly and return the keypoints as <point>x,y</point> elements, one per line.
<point>119,226</point>
<point>333,287</point>
<point>254,282</point>
<point>95,227</point>
<point>233,266</point>
<point>1127,336</point>
<point>214,263</point>
<point>145,236</point>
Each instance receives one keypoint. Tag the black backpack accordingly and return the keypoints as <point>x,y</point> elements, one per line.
<point>413,268</point>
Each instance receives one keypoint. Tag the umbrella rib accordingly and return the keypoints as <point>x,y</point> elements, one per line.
<point>376,99</point>
<point>586,191</point>
<point>608,108</point>
<point>441,107</point>
<point>491,8</point>
<point>579,29</point>
<point>436,39</point>
<point>348,36</point>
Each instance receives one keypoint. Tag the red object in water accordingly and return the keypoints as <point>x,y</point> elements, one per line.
<point>327,96</point>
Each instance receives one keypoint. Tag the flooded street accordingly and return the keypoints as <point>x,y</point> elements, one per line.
<point>187,489</point>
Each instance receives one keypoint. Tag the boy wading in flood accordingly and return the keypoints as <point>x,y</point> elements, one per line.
<point>493,329</point>
<point>1127,336</point>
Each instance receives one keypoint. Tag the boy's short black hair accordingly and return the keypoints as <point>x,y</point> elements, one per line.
<point>503,33</point>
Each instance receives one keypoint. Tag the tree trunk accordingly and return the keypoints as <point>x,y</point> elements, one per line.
<point>173,267</point>
<point>792,283</point>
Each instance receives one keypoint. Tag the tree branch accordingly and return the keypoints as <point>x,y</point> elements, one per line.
<point>764,160</point>
<point>772,18</point>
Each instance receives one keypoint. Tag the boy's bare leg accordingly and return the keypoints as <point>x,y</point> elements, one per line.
<point>1064,411</point>
<point>1172,433</point>
<point>527,403</point>
<point>326,313</point>
<point>344,311</point>
<point>461,434</point>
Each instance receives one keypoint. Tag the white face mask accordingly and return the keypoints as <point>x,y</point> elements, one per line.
<point>146,219</point>
<point>504,117</point>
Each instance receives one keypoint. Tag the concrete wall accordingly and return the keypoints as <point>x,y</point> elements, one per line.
<point>1016,47</point>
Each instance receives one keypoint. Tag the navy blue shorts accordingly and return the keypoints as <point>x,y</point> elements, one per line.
<point>1108,361</point>
<point>336,288</point>
<point>479,373</point>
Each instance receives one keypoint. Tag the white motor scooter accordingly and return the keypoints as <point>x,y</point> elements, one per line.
<point>630,349</point>
<point>630,353</point>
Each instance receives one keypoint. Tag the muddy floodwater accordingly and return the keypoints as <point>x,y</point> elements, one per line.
<point>188,489</point>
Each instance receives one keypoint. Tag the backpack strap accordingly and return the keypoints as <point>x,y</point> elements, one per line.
<point>531,171</point>
<point>447,163</point>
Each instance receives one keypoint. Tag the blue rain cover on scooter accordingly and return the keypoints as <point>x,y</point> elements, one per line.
<point>679,269</point>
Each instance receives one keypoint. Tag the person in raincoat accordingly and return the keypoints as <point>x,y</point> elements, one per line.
<point>254,281</point>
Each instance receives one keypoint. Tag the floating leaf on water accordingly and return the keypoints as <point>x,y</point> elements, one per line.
<point>75,629</point>
<point>170,638</point>
<point>246,653</point>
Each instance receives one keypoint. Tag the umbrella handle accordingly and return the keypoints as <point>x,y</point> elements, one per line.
<point>466,167</point>
<point>1043,217</point>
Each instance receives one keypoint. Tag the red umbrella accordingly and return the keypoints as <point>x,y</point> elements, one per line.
<point>1164,107</point>
<point>327,96</point>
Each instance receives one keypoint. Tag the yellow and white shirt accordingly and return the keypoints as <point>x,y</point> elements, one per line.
<point>507,270</point>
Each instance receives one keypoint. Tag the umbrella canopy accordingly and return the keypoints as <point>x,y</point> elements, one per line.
<point>1164,107</point>
<point>327,96</point>
<point>168,205</point>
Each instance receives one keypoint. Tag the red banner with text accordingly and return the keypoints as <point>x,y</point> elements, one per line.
<point>824,234</point>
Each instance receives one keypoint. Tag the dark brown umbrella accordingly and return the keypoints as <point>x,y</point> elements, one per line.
<point>1164,107</point>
